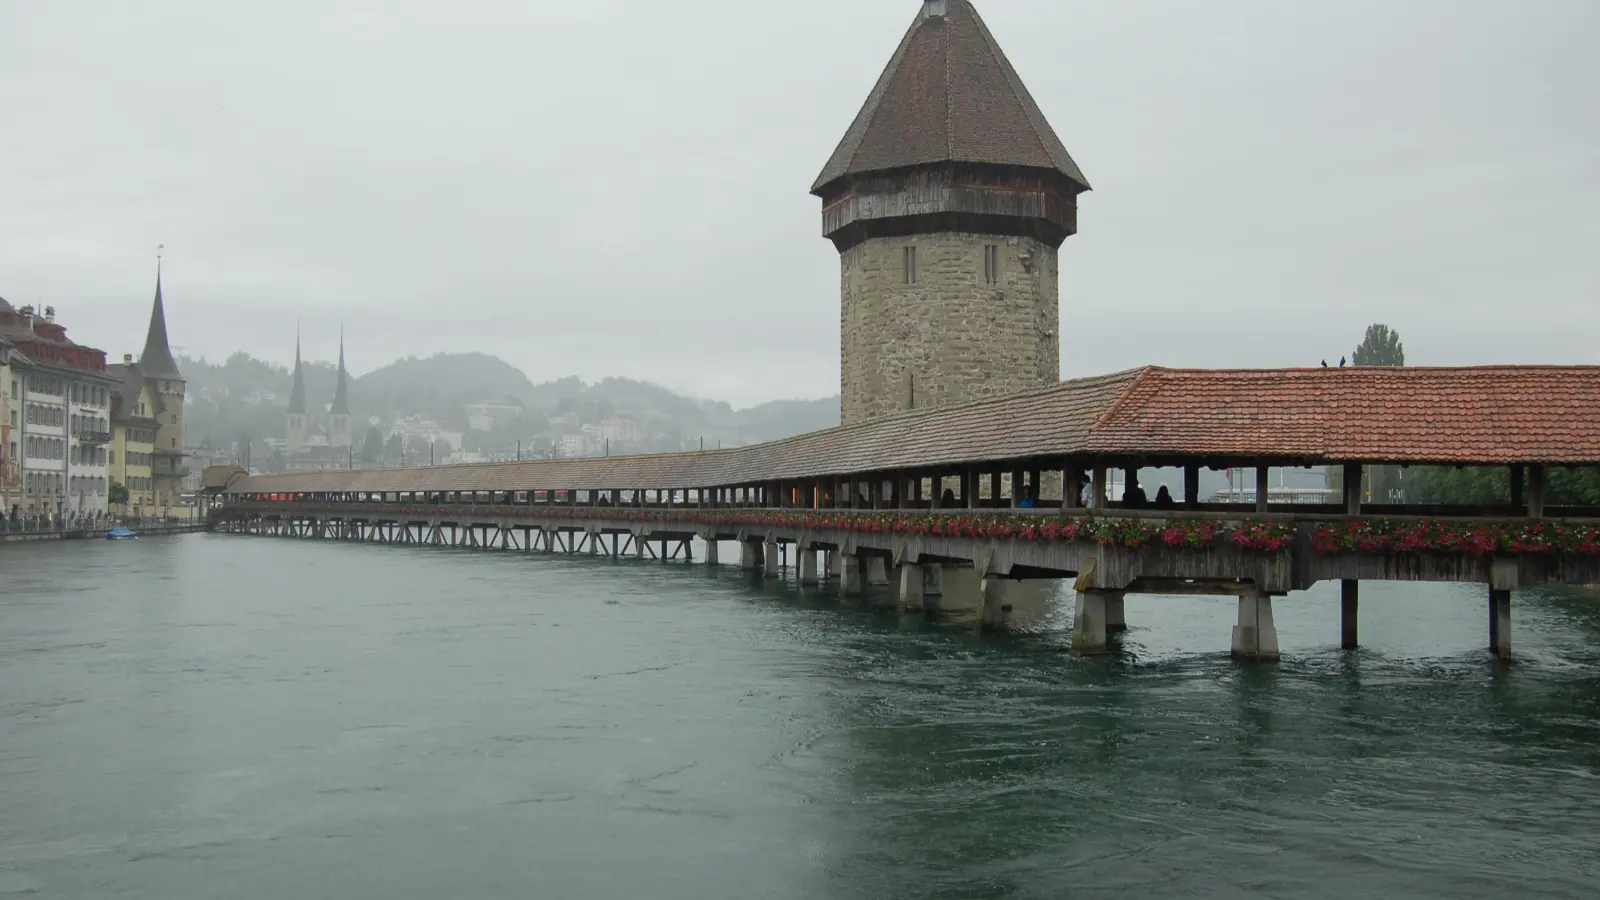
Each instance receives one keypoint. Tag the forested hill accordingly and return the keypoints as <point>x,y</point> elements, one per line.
<point>244,395</point>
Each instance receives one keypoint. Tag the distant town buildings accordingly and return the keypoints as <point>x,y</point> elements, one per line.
<point>74,431</point>
<point>488,416</point>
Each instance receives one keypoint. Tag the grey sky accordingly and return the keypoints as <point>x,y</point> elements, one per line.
<point>618,187</point>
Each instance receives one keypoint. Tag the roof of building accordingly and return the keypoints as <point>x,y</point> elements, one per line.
<point>1484,415</point>
<point>125,394</point>
<point>341,392</point>
<point>948,95</point>
<point>156,361</point>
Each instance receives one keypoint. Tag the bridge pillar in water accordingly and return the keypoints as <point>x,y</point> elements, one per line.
<point>1089,620</point>
<point>547,541</point>
<point>1256,636</point>
<point>992,604</point>
<point>1116,612</point>
<point>1349,606</point>
<point>932,587</point>
<point>912,587</point>
<point>711,551</point>
<point>770,560</point>
<point>835,567</point>
<point>1500,624</point>
<point>877,571</point>
<point>750,555</point>
<point>850,574</point>
<point>805,563</point>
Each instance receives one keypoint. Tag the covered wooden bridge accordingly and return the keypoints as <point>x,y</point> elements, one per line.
<point>1015,487</point>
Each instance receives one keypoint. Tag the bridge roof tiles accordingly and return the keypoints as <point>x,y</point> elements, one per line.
<point>1482,415</point>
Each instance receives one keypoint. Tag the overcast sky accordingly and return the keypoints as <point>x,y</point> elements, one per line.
<point>619,187</point>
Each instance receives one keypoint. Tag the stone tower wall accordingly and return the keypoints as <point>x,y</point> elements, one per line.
<point>950,336</point>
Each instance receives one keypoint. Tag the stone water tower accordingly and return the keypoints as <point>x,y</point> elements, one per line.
<point>948,200</point>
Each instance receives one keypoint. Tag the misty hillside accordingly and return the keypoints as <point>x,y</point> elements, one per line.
<point>246,396</point>
<point>439,386</point>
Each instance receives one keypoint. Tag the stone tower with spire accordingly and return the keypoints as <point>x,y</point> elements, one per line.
<point>298,425</point>
<point>160,371</point>
<point>339,433</point>
<point>948,200</point>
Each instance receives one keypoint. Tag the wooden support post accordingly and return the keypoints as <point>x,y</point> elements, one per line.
<point>1536,482</point>
<point>1097,488</point>
<point>1518,495</point>
<point>1263,486</point>
<point>969,488</point>
<point>1191,486</point>
<point>1500,624</point>
<point>1352,489</point>
<point>1071,488</point>
<point>1349,607</point>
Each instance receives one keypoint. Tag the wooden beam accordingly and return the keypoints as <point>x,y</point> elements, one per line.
<point>1352,489</point>
<point>1263,486</point>
<point>1191,486</point>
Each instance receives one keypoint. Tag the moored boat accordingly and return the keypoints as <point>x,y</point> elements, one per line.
<point>120,533</point>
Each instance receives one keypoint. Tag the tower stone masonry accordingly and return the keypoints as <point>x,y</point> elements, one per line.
<point>948,200</point>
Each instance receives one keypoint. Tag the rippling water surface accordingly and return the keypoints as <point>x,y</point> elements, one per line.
<point>215,716</point>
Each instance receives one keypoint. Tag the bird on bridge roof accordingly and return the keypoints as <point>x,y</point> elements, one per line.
<point>1324,364</point>
<point>1341,362</point>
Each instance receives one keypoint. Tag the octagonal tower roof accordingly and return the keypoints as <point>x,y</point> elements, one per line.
<point>948,95</point>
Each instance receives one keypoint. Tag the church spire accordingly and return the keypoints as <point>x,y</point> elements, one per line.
<point>297,397</point>
<point>341,393</point>
<point>156,361</point>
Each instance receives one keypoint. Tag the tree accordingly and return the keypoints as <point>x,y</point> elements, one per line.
<point>117,494</point>
<point>1380,347</point>
<point>1384,484</point>
<point>372,447</point>
<point>395,448</point>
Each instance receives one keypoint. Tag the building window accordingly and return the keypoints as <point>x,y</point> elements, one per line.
<point>910,263</point>
<point>991,264</point>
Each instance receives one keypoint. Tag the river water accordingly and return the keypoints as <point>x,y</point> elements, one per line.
<point>218,716</point>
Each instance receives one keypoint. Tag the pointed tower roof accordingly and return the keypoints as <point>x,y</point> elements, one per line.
<point>297,397</point>
<point>948,95</point>
<point>156,361</point>
<point>341,393</point>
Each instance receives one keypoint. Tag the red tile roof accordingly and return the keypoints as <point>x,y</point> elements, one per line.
<point>1484,415</point>
<point>1487,414</point>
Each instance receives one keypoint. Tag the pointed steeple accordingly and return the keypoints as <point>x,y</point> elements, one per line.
<point>341,393</point>
<point>297,397</point>
<point>156,361</point>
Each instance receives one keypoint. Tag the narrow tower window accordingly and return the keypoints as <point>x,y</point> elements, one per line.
<point>991,264</point>
<point>911,265</point>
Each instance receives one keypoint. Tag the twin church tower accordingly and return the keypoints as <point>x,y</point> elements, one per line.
<point>330,429</point>
<point>948,200</point>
